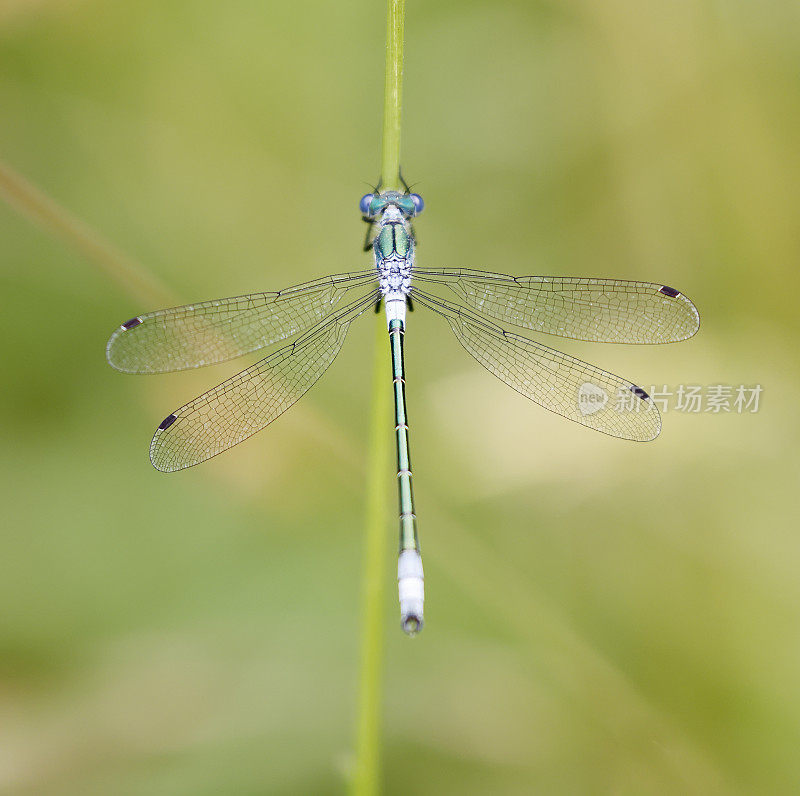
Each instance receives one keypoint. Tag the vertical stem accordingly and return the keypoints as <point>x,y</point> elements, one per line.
<point>367,777</point>
<point>393,95</point>
<point>367,773</point>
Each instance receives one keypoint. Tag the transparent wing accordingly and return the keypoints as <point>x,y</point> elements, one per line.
<point>558,382</point>
<point>250,400</point>
<point>597,310</point>
<point>215,331</point>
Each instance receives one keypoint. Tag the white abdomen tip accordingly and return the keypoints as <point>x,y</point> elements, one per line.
<point>411,589</point>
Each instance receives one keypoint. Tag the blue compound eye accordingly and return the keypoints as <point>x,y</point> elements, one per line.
<point>377,204</point>
<point>419,205</point>
<point>364,204</point>
<point>405,204</point>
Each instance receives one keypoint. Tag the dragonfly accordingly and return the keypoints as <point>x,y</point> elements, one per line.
<point>312,320</point>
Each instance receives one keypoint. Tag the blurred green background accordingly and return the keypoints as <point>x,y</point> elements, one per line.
<point>602,616</point>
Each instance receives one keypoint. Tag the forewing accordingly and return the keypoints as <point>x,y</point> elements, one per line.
<point>554,380</point>
<point>597,310</point>
<point>215,331</point>
<point>250,400</point>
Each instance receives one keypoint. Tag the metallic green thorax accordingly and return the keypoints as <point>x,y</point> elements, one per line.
<point>408,521</point>
<point>393,240</point>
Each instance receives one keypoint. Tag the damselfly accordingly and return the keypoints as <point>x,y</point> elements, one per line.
<point>476,304</point>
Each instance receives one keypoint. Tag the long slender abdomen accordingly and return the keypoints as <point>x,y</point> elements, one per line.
<point>410,578</point>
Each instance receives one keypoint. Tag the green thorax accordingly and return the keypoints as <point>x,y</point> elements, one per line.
<point>393,241</point>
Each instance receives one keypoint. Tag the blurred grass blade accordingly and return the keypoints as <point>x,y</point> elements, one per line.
<point>45,212</point>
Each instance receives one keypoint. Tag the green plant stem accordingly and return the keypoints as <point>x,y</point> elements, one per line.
<point>366,780</point>
<point>393,95</point>
<point>45,212</point>
<point>367,775</point>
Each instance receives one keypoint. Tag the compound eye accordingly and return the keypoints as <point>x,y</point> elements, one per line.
<point>365,202</point>
<point>419,205</point>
